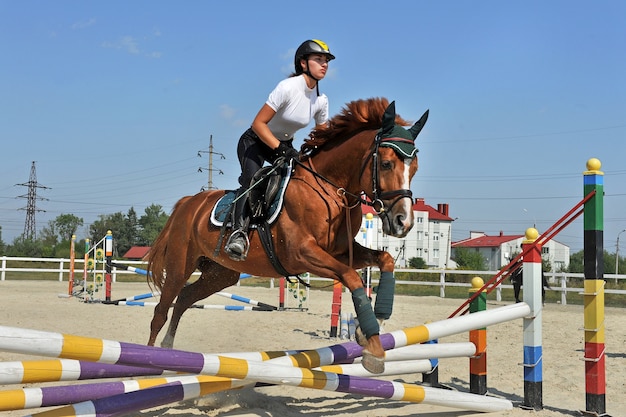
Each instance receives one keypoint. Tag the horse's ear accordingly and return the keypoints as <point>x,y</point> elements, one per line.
<point>389,118</point>
<point>419,125</point>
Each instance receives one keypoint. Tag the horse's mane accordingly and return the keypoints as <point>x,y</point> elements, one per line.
<point>356,116</point>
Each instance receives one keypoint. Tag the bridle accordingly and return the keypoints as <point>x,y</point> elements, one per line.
<point>376,200</point>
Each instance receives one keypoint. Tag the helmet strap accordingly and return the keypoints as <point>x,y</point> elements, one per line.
<point>307,72</point>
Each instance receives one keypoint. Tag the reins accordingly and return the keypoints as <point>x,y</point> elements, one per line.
<point>377,195</point>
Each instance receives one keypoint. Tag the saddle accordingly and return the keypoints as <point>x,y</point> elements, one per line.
<point>264,198</point>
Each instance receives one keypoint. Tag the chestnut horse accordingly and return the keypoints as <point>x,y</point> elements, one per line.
<point>363,152</point>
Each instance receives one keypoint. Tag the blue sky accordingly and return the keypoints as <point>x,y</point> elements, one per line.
<point>113,100</point>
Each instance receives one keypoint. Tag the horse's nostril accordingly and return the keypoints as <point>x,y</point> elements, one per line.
<point>400,220</point>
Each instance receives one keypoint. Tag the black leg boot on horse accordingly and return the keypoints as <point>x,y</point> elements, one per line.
<point>238,242</point>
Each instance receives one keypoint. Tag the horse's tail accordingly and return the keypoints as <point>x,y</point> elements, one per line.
<point>157,254</point>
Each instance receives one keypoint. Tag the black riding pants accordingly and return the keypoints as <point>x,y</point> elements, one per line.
<point>252,153</point>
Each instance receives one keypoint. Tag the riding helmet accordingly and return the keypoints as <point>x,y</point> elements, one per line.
<point>308,47</point>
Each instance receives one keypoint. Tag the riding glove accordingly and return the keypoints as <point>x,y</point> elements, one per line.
<point>285,151</point>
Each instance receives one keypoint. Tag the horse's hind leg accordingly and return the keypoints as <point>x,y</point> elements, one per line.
<point>177,275</point>
<point>213,278</point>
<point>168,293</point>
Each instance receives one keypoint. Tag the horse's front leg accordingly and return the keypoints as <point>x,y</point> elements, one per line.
<point>373,353</point>
<point>364,257</point>
<point>322,264</point>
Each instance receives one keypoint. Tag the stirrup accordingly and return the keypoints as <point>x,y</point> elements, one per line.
<point>236,255</point>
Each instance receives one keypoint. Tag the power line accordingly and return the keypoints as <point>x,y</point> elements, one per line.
<point>32,184</point>
<point>210,169</point>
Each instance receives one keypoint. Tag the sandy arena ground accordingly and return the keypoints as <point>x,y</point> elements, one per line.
<point>36,305</point>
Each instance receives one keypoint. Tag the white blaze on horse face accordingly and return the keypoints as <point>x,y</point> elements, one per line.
<point>407,203</point>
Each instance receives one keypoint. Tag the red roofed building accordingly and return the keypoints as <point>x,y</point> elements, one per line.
<point>136,252</point>
<point>499,250</point>
<point>429,238</point>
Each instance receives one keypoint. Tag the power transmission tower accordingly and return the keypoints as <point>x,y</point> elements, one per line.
<point>210,169</point>
<point>32,184</point>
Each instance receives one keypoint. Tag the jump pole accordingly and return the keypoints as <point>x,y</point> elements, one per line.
<point>55,370</point>
<point>281,293</point>
<point>130,268</point>
<point>246,300</point>
<point>478,362</point>
<point>180,389</point>
<point>335,311</point>
<point>593,295</point>
<point>18,399</point>
<point>199,306</point>
<point>58,345</point>
<point>108,254</point>
<point>86,260</point>
<point>77,347</point>
<point>533,350</point>
<point>70,289</point>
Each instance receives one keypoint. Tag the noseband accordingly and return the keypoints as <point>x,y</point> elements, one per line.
<point>377,198</point>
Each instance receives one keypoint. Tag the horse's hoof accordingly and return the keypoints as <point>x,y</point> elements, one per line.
<point>372,363</point>
<point>360,336</point>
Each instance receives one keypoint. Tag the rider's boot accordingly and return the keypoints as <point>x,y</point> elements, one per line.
<point>238,243</point>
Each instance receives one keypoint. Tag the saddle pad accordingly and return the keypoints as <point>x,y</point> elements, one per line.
<point>223,205</point>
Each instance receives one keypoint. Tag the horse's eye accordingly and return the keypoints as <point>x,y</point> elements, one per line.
<point>386,165</point>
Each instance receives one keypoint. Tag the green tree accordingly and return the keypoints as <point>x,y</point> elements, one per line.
<point>48,234</point>
<point>418,263</point>
<point>25,247</point>
<point>151,224</point>
<point>2,244</point>
<point>577,263</point>
<point>470,259</point>
<point>117,224</point>
<point>66,225</point>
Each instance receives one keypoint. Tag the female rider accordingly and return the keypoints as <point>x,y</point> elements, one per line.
<point>291,106</point>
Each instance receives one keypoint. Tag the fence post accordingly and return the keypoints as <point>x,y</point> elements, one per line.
<point>563,290</point>
<point>61,270</point>
<point>442,282</point>
<point>4,268</point>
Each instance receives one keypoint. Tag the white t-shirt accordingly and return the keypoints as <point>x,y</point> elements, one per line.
<point>295,105</point>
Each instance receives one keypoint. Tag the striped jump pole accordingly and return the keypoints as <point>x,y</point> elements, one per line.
<point>415,366</point>
<point>134,298</point>
<point>129,268</point>
<point>55,370</point>
<point>199,306</point>
<point>70,283</point>
<point>246,300</point>
<point>593,296</point>
<point>181,389</point>
<point>10,338</point>
<point>18,399</point>
<point>108,256</point>
<point>229,307</point>
<point>335,309</point>
<point>427,351</point>
<point>85,271</point>
<point>76,347</point>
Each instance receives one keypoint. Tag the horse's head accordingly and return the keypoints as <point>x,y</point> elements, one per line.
<point>394,165</point>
